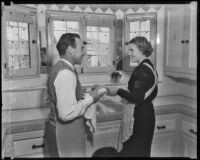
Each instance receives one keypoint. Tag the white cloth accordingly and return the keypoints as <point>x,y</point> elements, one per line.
<point>68,107</point>
<point>126,128</point>
<point>90,116</point>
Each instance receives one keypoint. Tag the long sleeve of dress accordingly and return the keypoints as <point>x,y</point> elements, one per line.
<point>140,82</point>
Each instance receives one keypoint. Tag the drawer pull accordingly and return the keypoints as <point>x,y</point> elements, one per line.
<point>39,146</point>
<point>192,131</point>
<point>161,127</point>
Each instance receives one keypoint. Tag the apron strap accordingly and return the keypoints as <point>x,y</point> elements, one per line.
<point>155,82</point>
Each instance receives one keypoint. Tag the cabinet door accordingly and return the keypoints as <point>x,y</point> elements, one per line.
<point>175,33</point>
<point>188,136</point>
<point>193,37</point>
<point>180,56</point>
<point>189,145</point>
<point>163,145</point>
<point>106,135</point>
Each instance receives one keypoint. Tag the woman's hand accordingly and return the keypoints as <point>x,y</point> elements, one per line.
<point>111,91</point>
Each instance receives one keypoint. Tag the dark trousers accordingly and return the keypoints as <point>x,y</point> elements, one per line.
<point>139,144</point>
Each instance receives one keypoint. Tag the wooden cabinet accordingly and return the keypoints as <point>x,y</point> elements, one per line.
<point>28,144</point>
<point>20,41</point>
<point>188,137</point>
<point>164,140</point>
<point>163,145</point>
<point>180,56</point>
<point>106,135</point>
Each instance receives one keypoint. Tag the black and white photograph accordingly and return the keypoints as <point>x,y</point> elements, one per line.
<point>99,80</point>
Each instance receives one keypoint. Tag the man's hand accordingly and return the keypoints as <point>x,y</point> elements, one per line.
<point>111,91</point>
<point>96,95</point>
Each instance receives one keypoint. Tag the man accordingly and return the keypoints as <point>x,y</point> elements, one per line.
<point>65,131</point>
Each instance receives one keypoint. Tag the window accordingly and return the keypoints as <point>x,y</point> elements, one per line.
<point>99,31</point>
<point>96,29</point>
<point>140,25</point>
<point>20,41</point>
<point>60,22</point>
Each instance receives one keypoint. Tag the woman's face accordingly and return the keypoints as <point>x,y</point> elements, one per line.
<point>134,53</point>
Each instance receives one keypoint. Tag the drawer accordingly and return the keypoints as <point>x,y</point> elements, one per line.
<point>189,128</point>
<point>165,125</point>
<point>35,155</point>
<point>107,129</point>
<point>28,146</point>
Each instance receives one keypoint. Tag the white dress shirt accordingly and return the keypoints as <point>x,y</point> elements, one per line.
<point>65,86</point>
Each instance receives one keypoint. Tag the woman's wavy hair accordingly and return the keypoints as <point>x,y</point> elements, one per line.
<point>143,45</point>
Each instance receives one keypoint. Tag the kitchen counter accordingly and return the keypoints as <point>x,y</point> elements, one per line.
<point>16,121</point>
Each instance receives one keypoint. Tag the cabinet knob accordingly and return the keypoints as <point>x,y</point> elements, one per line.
<point>34,41</point>
<point>161,127</point>
<point>37,146</point>
<point>187,41</point>
<point>193,132</point>
<point>182,41</point>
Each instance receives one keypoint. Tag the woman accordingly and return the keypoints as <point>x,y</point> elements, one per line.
<point>142,81</point>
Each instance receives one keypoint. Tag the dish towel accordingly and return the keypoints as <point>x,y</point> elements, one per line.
<point>126,128</point>
<point>90,116</point>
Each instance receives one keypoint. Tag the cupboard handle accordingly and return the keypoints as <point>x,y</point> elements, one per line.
<point>161,127</point>
<point>182,41</point>
<point>6,65</point>
<point>187,41</point>
<point>192,131</point>
<point>37,146</point>
<point>34,41</point>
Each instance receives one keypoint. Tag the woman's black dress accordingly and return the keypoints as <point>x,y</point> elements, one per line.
<point>141,80</point>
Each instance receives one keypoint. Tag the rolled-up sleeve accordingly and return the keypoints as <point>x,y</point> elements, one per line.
<point>68,107</point>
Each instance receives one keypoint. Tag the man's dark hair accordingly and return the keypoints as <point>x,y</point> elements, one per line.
<point>66,40</point>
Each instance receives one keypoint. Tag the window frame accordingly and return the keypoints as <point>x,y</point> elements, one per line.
<point>52,15</point>
<point>153,36</point>
<point>96,19</point>
<point>81,17</point>
<point>33,71</point>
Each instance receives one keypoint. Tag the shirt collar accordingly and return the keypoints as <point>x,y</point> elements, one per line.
<point>69,63</point>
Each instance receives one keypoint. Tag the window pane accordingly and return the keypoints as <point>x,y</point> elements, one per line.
<point>92,28</point>
<point>18,45</point>
<point>134,26</point>
<point>92,37</point>
<point>14,62</point>
<point>145,34</point>
<point>16,48</point>
<point>73,25</point>
<point>12,23</point>
<point>134,34</point>
<point>145,25</point>
<point>104,49</point>
<point>104,37</point>
<point>92,62</point>
<point>58,34</point>
<point>103,29</point>
<point>104,61</point>
<point>92,49</point>
<point>24,48</point>
<point>71,30</point>
<point>23,34</point>
<point>59,25</point>
<point>9,33</point>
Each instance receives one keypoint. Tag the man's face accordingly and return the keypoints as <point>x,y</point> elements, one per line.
<point>78,52</point>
